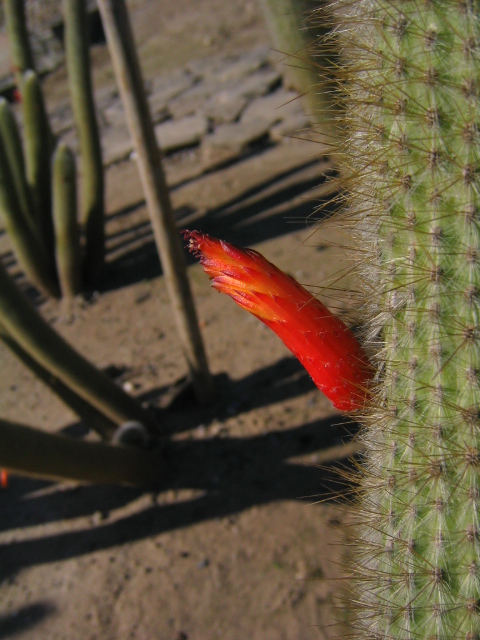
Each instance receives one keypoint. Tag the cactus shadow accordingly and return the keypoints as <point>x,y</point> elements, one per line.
<point>30,502</point>
<point>256,215</point>
<point>24,618</point>
<point>280,381</point>
<point>199,480</point>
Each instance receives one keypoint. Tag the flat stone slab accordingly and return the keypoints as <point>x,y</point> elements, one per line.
<point>165,89</point>
<point>233,70</point>
<point>114,114</point>
<point>159,111</point>
<point>116,144</point>
<point>61,119</point>
<point>192,100</point>
<point>257,84</point>
<point>295,124</point>
<point>224,106</point>
<point>274,107</point>
<point>229,68</point>
<point>237,135</point>
<point>178,134</point>
<point>171,85</point>
<point>201,95</point>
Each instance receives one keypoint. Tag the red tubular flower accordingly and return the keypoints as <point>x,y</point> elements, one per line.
<point>322,342</point>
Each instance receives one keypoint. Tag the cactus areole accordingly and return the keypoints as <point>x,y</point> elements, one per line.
<point>411,77</point>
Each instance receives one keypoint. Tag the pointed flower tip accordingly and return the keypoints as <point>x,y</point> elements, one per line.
<point>322,342</point>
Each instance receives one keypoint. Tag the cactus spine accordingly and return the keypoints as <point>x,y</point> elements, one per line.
<point>413,84</point>
<point>80,82</point>
<point>67,233</point>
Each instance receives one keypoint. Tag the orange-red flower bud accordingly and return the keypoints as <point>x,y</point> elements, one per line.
<point>322,342</point>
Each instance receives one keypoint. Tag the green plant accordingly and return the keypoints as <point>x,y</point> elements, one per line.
<point>25,328</point>
<point>34,452</point>
<point>12,143</point>
<point>21,51</point>
<point>80,81</point>
<point>67,232</point>
<point>293,37</point>
<point>411,79</point>
<point>38,153</point>
<point>20,226</point>
<point>32,172</point>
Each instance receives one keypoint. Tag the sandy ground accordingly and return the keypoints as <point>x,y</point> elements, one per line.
<point>243,537</point>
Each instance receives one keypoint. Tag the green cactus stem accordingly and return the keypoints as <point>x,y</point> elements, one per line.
<point>412,76</point>
<point>13,149</point>
<point>27,328</point>
<point>20,49</point>
<point>32,452</point>
<point>293,37</point>
<point>28,248</point>
<point>67,232</point>
<point>38,152</point>
<point>84,410</point>
<point>80,83</point>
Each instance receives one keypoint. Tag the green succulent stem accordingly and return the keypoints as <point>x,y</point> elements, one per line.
<point>32,452</point>
<point>81,91</point>
<point>21,51</point>
<point>38,153</point>
<point>13,149</point>
<point>67,232</point>
<point>29,249</point>
<point>412,77</point>
<point>292,37</point>
<point>24,325</point>
<point>88,414</point>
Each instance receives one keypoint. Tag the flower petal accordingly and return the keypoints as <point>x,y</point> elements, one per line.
<point>322,342</point>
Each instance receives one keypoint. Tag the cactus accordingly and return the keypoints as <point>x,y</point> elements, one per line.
<point>90,416</point>
<point>29,249</point>
<point>20,48</point>
<point>38,152</point>
<point>38,340</point>
<point>13,149</point>
<point>80,82</point>
<point>67,233</point>
<point>33,452</point>
<point>294,38</point>
<point>412,81</point>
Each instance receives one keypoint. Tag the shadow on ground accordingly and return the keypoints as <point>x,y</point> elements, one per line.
<point>224,475</point>
<point>24,619</point>
<point>258,214</point>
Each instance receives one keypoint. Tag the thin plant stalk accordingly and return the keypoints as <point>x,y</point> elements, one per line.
<point>129,78</point>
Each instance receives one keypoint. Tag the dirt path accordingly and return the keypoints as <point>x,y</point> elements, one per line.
<point>243,537</point>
